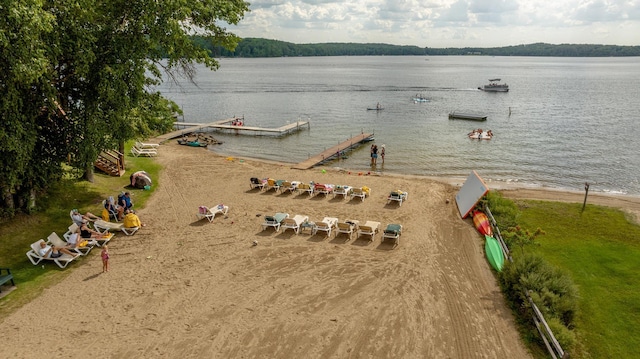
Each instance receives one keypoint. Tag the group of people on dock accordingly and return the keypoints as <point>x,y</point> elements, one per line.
<point>480,134</point>
<point>237,121</point>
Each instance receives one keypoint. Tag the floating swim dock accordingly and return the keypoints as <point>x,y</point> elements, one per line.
<point>334,152</point>
<point>467,116</point>
<point>185,128</point>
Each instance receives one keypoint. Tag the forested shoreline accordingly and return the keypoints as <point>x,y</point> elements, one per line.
<point>258,47</point>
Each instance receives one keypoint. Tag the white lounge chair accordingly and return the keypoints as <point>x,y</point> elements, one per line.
<point>370,228</point>
<point>35,257</point>
<point>255,182</point>
<point>361,192</point>
<point>294,223</point>
<point>105,227</point>
<point>210,212</point>
<point>326,225</point>
<point>343,191</point>
<point>274,221</point>
<point>393,231</point>
<point>349,227</point>
<point>289,186</point>
<point>273,184</point>
<point>149,152</point>
<point>304,187</point>
<point>142,145</point>
<point>56,241</point>
<point>321,188</point>
<point>397,196</point>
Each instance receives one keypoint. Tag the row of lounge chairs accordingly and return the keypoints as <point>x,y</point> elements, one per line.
<point>331,225</point>
<point>311,188</point>
<point>54,240</point>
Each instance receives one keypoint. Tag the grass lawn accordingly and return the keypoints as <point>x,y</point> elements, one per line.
<point>52,215</point>
<point>600,249</point>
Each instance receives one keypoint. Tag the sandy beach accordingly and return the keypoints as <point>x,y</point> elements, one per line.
<point>183,287</point>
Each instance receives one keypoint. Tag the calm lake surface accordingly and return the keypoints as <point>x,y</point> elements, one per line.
<point>564,121</point>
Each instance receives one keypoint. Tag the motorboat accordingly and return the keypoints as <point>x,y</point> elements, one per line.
<point>420,98</point>
<point>495,86</point>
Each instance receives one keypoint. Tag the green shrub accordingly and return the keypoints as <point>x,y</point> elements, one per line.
<point>504,211</point>
<point>551,289</point>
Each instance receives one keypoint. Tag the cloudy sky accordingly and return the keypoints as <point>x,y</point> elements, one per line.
<point>444,23</point>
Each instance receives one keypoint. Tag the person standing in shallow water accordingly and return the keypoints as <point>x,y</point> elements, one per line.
<point>382,153</point>
<point>374,155</point>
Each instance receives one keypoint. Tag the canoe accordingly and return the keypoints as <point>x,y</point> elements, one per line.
<point>375,108</point>
<point>494,253</point>
<point>481,222</point>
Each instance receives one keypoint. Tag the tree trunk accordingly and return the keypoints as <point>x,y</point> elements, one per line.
<point>7,198</point>
<point>88,173</point>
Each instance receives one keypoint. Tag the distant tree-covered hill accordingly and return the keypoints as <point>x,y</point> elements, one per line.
<point>256,47</point>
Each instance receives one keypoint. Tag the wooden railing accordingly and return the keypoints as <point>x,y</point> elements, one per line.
<point>110,162</point>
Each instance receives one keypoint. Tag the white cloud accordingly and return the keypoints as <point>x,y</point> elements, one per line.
<point>444,23</point>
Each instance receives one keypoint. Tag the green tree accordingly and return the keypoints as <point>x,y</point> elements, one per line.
<point>79,77</point>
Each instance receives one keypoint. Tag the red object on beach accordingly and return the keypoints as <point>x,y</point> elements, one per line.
<point>481,222</point>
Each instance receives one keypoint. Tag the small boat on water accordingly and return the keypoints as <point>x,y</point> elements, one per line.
<point>481,221</point>
<point>494,253</point>
<point>420,98</point>
<point>467,116</point>
<point>495,86</point>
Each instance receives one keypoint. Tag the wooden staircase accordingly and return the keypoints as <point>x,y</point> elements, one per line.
<point>110,162</point>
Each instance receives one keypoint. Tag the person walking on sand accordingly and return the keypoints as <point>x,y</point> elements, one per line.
<point>382,153</point>
<point>105,258</point>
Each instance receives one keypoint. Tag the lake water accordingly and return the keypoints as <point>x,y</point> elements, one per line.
<point>564,121</point>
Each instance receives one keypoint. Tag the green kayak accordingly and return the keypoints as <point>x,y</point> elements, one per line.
<point>494,253</point>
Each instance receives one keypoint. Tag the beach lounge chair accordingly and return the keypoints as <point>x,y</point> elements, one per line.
<point>370,228</point>
<point>349,227</point>
<point>113,215</point>
<point>148,152</point>
<point>56,241</point>
<point>303,187</point>
<point>210,212</point>
<point>320,188</point>
<point>34,256</point>
<point>104,227</point>
<point>326,225</point>
<point>361,193</point>
<point>294,223</point>
<point>393,231</point>
<point>343,191</point>
<point>142,145</point>
<point>288,186</point>
<point>274,221</point>
<point>257,183</point>
<point>397,196</point>
<point>273,184</point>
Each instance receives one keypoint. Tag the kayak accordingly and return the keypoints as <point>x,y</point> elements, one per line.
<point>481,222</point>
<point>494,253</point>
<point>375,108</point>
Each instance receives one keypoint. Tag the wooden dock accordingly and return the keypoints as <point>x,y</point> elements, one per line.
<point>335,151</point>
<point>185,128</point>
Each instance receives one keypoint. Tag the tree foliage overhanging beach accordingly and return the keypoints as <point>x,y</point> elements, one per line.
<point>76,78</point>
